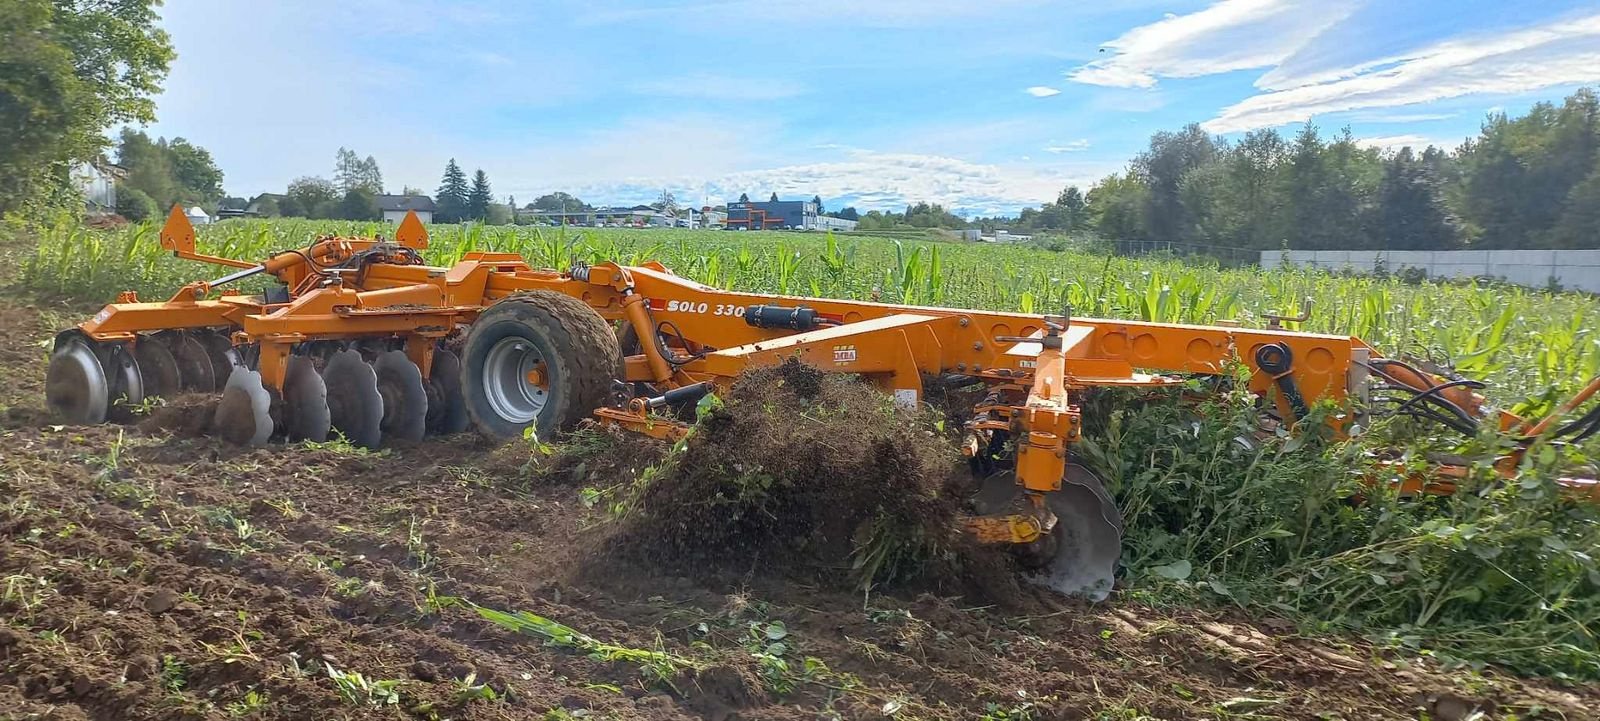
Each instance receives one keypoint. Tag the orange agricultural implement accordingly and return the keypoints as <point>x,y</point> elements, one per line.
<point>362,337</point>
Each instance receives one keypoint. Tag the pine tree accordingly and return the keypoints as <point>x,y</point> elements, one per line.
<point>744,197</point>
<point>774,198</point>
<point>478,199</point>
<point>371,177</point>
<point>346,170</point>
<point>817,201</point>
<point>451,198</point>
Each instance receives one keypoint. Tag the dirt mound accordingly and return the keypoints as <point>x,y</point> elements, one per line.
<point>803,471</point>
<point>186,416</point>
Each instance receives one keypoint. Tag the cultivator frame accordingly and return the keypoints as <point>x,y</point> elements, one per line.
<point>449,337</point>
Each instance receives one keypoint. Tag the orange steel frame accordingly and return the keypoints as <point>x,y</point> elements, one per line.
<point>894,346</point>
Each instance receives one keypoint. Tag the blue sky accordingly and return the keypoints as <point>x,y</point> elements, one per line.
<point>983,105</point>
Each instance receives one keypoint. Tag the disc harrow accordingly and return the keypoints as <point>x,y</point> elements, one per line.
<point>326,389</point>
<point>359,339</point>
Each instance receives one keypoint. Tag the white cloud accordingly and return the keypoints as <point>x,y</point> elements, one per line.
<point>1071,146</point>
<point>1229,35</point>
<point>716,86</point>
<point>1401,117</point>
<point>873,180</point>
<point>1396,142</point>
<point>1564,52</point>
<point>1041,91</point>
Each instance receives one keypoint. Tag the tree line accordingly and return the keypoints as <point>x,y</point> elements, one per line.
<point>1526,182</point>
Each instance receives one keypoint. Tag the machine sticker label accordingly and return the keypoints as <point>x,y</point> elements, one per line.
<point>687,306</point>
<point>843,354</point>
<point>1026,364</point>
<point>102,315</point>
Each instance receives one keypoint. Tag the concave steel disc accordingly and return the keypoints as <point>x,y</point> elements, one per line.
<point>220,349</point>
<point>405,401</point>
<point>244,413</point>
<point>1079,557</point>
<point>157,368</point>
<point>447,409</point>
<point>355,408</point>
<point>126,381</point>
<point>196,372</point>
<point>305,402</point>
<point>75,385</point>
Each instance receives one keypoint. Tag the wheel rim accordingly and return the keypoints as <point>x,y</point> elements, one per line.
<point>505,380</point>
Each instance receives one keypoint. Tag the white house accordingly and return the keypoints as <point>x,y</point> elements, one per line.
<point>394,207</point>
<point>97,181</point>
<point>197,216</point>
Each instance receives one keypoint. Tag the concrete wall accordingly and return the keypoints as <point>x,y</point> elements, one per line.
<point>1573,269</point>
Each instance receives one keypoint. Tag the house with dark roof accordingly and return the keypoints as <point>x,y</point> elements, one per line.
<point>259,205</point>
<point>394,207</point>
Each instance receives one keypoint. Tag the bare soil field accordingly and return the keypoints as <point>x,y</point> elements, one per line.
<point>147,572</point>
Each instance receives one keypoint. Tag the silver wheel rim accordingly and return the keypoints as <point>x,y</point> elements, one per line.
<point>505,381</point>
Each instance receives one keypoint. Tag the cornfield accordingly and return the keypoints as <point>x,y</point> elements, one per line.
<point>1533,344</point>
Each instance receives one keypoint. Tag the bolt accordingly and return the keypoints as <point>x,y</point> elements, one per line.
<point>977,367</point>
<point>963,321</point>
<point>977,345</point>
<point>961,366</point>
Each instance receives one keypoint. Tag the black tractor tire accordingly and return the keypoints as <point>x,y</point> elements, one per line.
<point>577,347</point>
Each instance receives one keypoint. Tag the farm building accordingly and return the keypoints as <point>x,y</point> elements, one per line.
<point>258,205</point>
<point>394,207</point>
<point>782,214</point>
<point>97,181</point>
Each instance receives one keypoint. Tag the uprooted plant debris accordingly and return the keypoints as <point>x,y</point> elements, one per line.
<point>797,469</point>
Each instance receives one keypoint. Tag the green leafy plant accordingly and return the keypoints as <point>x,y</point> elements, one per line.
<point>358,690</point>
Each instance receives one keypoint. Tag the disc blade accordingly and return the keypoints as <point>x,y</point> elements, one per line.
<point>305,402</point>
<point>75,384</point>
<point>223,356</point>
<point>125,379</point>
<point>1088,538</point>
<point>1080,557</point>
<point>447,408</point>
<point>244,413</point>
<point>354,406</point>
<point>405,401</point>
<point>157,368</point>
<point>196,371</point>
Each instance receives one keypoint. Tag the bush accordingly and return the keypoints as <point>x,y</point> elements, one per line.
<point>1497,572</point>
<point>135,204</point>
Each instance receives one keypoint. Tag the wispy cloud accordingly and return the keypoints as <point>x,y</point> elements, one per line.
<point>1041,91</point>
<point>1563,52</point>
<point>873,180</point>
<point>1411,140</point>
<point>1401,117</point>
<point>715,86</point>
<point>1229,35</point>
<point>1074,146</point>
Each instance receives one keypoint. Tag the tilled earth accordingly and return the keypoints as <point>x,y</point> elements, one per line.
<point>145,574</point>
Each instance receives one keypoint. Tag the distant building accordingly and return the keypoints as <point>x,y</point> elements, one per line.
<point>712,218</point>
<point>394,207</point>
<point>828,222</point>
<point>254,208</point>
<point>97,181</point>
<point>782,215</point>
<point>197,216</point>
